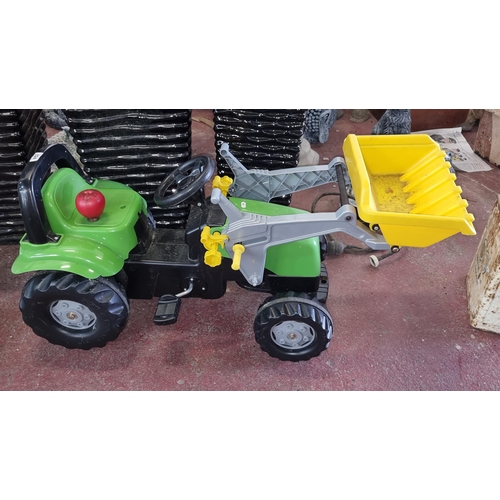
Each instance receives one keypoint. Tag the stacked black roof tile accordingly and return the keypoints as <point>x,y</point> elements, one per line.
<point>22,133</point>
<point>260,138</point>
<point>138,147</point>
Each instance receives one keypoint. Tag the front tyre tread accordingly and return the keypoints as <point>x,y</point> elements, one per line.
<point>296,309</point>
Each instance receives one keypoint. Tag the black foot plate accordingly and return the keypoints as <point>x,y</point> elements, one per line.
<point>167,310</point>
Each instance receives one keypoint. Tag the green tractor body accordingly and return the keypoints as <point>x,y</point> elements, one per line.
<point>100,248</point>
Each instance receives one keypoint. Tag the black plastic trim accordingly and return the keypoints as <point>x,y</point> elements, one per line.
<point>32,178</point>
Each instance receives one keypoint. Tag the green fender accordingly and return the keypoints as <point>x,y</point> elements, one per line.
<point>71,254</point>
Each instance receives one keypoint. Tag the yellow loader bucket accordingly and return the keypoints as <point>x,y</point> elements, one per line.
<point>403,184</point>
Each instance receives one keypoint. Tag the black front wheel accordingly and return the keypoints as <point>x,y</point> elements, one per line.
<point>72,311</point>
<point>291,327</point>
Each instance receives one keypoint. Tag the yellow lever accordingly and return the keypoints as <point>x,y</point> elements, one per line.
<point>238,249</point>
<point>222,183</point>
<point>211,242</point>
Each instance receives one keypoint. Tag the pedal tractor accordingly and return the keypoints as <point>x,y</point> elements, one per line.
<point>93,244</point>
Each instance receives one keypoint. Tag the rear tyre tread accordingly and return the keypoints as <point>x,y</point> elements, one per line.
<point>103,296</point>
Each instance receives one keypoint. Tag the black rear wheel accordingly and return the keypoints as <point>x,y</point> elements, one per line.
<point>72,311</point>
<point>293,328</point>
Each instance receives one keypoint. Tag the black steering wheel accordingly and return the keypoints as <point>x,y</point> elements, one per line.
<point>185,182</point>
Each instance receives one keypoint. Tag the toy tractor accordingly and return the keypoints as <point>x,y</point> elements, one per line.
<point>93,244</point>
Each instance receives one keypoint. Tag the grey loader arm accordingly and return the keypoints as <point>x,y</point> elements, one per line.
<point>259,232</point>
<point>264,185</point>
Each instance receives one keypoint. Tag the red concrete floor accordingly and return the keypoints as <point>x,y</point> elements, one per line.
<point>403,326</point>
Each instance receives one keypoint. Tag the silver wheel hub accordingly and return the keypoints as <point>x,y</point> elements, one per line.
<point>72,314</point>
<point>292,335</point>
